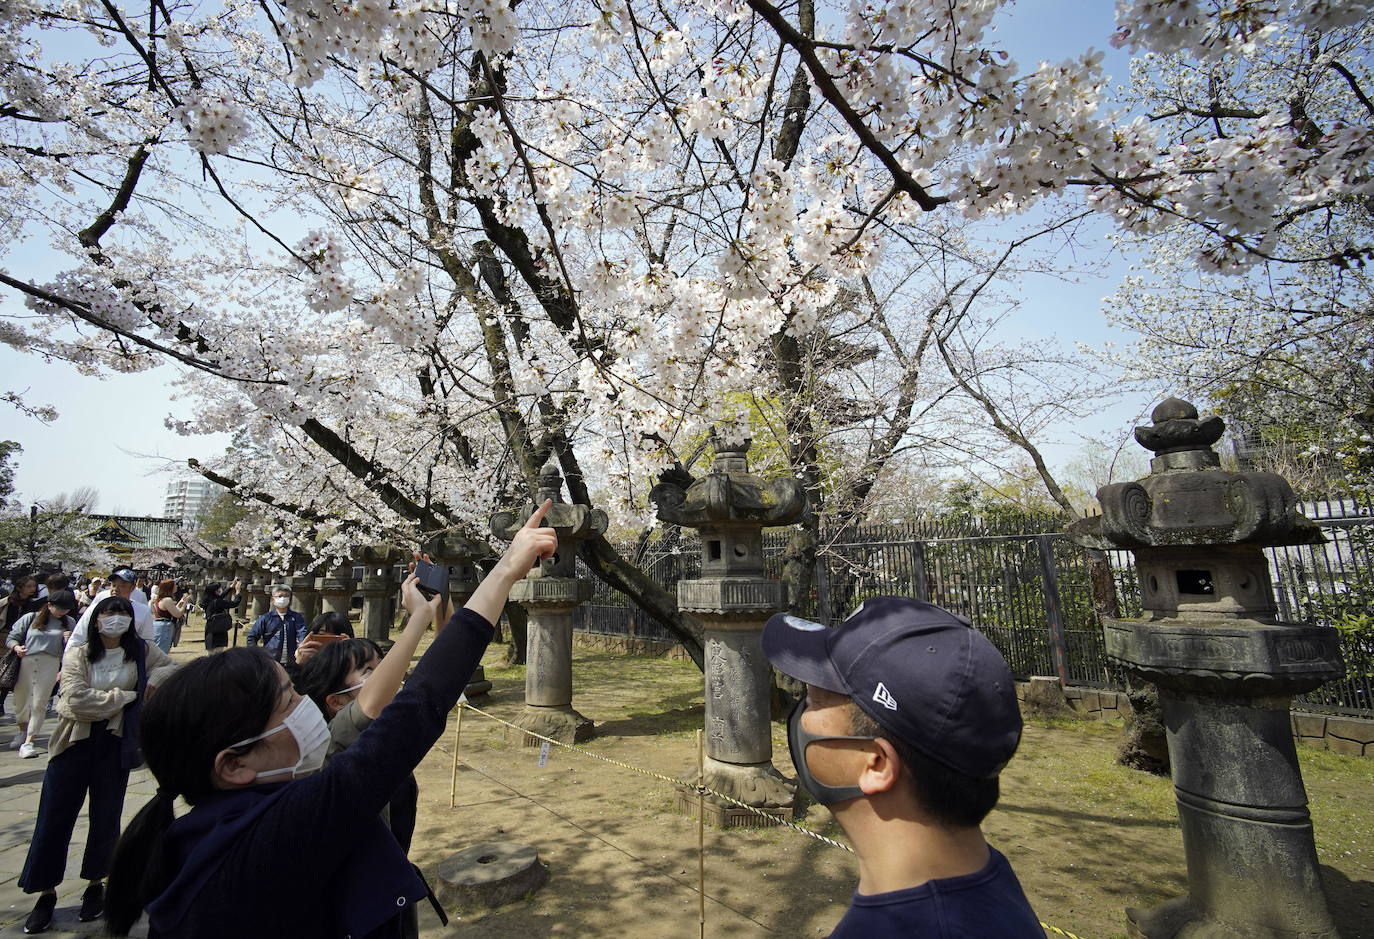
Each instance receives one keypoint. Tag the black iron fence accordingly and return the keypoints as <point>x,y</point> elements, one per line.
<point>1031,591</point>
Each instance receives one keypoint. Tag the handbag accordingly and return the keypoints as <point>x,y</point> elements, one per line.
<point>219,623</point>
<point>9,670</point>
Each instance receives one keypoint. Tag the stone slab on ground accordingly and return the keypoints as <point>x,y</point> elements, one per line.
<point>491,874</point>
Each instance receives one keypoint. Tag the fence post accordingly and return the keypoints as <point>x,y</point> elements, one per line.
<point>1054,616</point>
<point>822,579</point>
<point>919,584</point>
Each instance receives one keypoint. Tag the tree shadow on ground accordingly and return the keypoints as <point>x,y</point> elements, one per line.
<point>24,779</point>
<point>1352,902</point>
<point>1068,815</point>
<point>678,715</point>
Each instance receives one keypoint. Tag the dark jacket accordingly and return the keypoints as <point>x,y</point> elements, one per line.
<point>349,877</point>
<point>279,635</point>
<point>225,604</point>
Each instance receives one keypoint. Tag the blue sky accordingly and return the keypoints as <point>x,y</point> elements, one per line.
<point>110,434</point>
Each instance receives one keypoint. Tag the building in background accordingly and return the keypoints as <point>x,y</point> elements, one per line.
<point>188,497</point>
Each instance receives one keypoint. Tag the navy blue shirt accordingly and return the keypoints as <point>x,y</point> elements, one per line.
<point>989,904</point>
<point>349,879</point>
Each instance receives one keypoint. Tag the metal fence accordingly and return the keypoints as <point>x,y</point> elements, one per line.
<point>1030,591</point>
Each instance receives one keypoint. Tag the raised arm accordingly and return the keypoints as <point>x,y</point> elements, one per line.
<point>359,781</point>
<point>386,678</point>
<point>531,544</point>
<point>168,605</point>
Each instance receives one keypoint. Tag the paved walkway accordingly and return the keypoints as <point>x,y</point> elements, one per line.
<point>21,782</point>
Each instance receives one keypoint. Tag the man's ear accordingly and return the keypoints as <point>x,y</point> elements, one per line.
<point>882,768</point>
<point>230,771</point>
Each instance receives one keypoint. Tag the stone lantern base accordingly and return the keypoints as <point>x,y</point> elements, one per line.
<point>563,724</point>
<point>755,784</point>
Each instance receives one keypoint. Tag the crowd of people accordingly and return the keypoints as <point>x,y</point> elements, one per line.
<point>297,752</point>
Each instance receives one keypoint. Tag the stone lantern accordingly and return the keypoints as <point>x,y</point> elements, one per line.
<point>378,588</point>
<point>216,570</point>
<point>305,598</point>
<point>335,588</point>
<point>243,568</point>
<point>258,589</point>
<point>1226,670</point>
<point>733,598</point>
<point>190,568</point>
<point>460,556</point>
<point>550,593</point>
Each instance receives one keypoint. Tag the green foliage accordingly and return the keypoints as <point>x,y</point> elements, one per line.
<point>215,523</point>
<point>1015,502</point>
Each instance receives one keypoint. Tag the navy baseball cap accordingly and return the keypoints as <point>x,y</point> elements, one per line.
<point>926,676</point>
<point>123,573</point>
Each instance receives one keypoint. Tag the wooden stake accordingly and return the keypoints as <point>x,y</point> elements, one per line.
<point>701,839</point>
<point>457,734</point>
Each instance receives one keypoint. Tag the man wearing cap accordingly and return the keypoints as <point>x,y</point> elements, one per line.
<point>122,581</point>
<point>908,718</point>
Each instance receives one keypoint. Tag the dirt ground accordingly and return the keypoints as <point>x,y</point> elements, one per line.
<point>1087,837</point>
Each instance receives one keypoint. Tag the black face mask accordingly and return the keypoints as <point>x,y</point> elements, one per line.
<point>798,739</point>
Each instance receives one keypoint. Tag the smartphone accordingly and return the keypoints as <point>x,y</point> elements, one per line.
<point>433,578</point>
<point>326,637</point>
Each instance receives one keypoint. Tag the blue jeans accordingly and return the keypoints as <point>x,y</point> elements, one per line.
<point>91,765</point>
<point>163,631</point>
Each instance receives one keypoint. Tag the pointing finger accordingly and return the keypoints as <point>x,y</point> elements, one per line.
<point>537,519</point>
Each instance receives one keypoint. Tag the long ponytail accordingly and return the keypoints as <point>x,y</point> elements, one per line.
<point>139,869</point>
<point>200,709</point>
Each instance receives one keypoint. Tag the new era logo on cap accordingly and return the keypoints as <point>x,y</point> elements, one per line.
<point>884,697</point>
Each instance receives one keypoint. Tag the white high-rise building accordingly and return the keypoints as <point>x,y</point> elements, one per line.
<point>187,498</point>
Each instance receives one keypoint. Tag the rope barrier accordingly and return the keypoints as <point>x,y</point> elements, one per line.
<point>701,789</point>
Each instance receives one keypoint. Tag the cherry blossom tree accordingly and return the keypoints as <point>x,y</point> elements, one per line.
<point>410,250</point>
<point>1288,345</point>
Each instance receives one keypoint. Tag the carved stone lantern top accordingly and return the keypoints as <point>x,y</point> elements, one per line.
<point>729,496</point>
<point>459,554</point>
<point>454,547</point>
<point>1188,500</point>
<point>573,524</point>
<point>1197,532</point>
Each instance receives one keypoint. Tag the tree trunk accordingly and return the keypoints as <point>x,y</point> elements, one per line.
<point>519,634</point>
<point>799,566</point>
<point>601,556</point>
<point>1144,745</point>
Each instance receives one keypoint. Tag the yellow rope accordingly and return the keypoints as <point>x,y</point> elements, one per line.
<point>699,789</point>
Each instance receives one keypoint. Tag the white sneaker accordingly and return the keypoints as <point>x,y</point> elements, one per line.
<point>17,742</point>
<point>28,751</point>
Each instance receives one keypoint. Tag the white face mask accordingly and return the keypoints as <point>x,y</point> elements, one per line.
<point>281,603</point>
<point>351,688</point>
<point>311,731</point>
<point>116,624</point>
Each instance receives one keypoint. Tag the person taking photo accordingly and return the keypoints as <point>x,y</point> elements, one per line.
<point>230,736</point>
<point>280,630</point>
